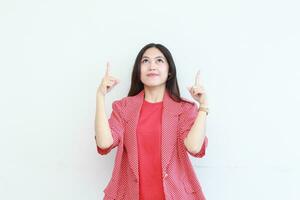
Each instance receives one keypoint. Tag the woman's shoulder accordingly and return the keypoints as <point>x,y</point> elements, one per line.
<point>126,100</point>
<point>120,102</point>
<point>187,104</point>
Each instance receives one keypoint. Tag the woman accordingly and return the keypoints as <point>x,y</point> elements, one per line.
<point>154,128</point>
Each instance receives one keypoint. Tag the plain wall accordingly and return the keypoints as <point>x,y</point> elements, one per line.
<point>53,57</point>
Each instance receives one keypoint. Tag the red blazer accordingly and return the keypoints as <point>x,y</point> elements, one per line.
<point>179,179</point>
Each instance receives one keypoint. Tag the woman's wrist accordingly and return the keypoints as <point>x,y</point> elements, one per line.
<point>203,108</point>
<point>203,105</point>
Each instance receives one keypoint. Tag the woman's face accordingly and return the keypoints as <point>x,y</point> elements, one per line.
<point>154,68</point>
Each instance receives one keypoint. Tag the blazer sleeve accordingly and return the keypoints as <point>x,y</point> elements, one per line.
<point>116,124</point>
<point>186,121</point>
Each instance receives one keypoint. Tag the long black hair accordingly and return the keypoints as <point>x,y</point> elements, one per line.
<point>171,84</point>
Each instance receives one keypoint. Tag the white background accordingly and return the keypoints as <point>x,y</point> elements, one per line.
<point>53,56</point>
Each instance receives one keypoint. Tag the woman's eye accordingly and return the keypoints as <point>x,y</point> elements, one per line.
<point>143,61</point>
<point>160,60</point>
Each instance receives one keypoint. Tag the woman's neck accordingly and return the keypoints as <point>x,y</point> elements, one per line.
<point>154,95</point>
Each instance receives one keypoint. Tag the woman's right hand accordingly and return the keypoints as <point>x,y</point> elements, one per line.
<point>108,82</point>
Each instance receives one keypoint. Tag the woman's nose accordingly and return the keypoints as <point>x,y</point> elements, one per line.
<point>152,65</point>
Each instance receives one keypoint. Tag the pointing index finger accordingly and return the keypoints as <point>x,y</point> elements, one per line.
<point>197,78</point>
<point>107,69</point>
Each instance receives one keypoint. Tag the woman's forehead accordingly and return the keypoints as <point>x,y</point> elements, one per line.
<point>153,53</point>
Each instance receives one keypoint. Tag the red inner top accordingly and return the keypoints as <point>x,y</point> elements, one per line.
<point>149,151</point>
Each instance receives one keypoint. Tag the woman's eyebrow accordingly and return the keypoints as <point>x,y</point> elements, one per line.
<point>155,57</point>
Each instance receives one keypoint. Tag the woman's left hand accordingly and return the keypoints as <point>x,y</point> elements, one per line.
<point>197,91</point>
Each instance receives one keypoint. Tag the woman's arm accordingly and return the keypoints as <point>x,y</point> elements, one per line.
<point>103,135</point>
<point>195,138</point>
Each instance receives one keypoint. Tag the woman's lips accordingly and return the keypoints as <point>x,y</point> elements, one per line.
<point>152,75</point>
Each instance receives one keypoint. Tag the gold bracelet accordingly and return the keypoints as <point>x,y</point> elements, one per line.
<point>205,109</point>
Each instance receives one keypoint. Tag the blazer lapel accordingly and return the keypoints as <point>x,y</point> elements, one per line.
<point>171,110</point>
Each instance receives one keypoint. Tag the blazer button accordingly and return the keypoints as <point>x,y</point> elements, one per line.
<point>165,175</point>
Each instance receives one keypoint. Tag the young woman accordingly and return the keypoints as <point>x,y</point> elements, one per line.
<point>154,129</point>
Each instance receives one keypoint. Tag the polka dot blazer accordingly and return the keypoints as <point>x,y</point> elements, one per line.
<point>179,178</point>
